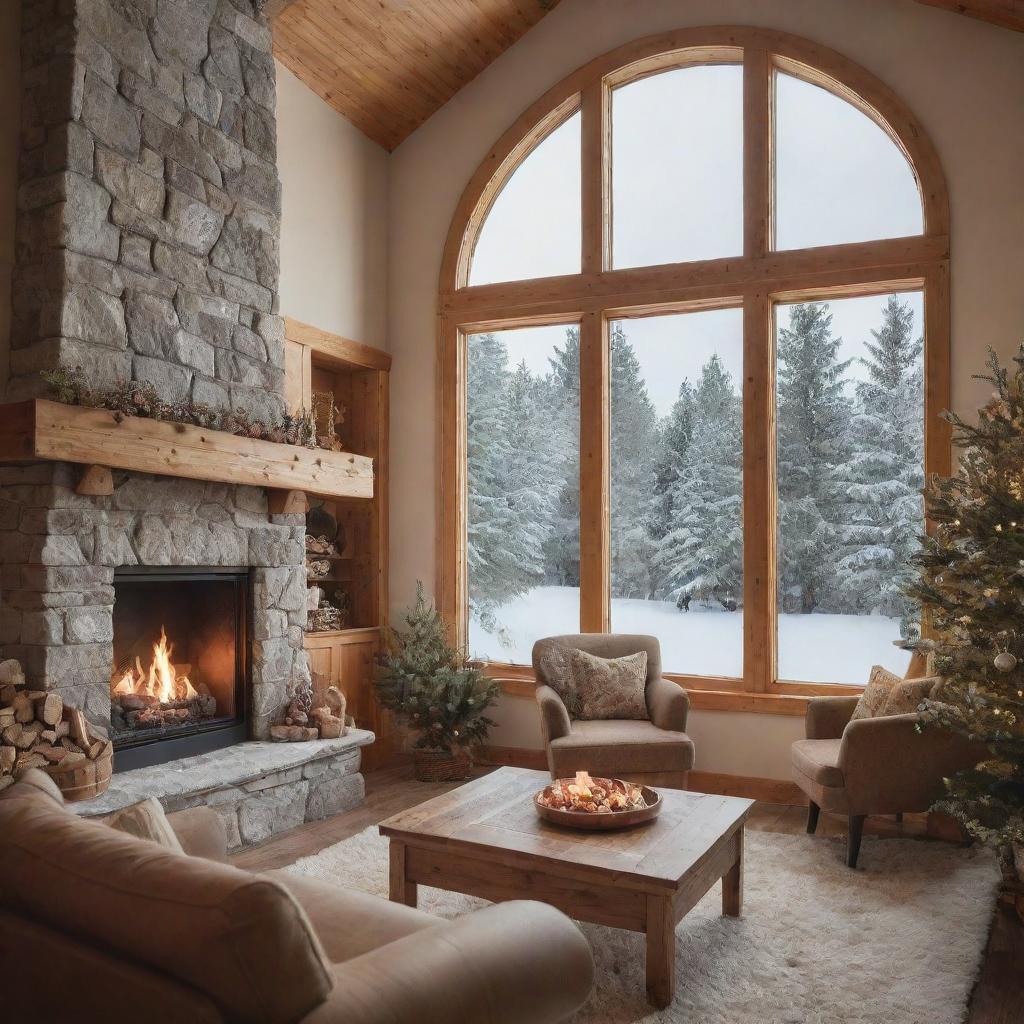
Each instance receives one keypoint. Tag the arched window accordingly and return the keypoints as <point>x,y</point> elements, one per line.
<point>694,337</point>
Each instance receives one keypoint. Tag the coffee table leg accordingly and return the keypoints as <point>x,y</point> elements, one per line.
<point>732,882</point>
<point>661,951</point>
<point>400,889</point>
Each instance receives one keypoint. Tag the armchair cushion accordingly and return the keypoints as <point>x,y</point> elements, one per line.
<point>609,687</point>
<point>607,747</point>
<point>347,922</point>
<point>505,964</point>
<point>818,760</point>
<point>872,701</point>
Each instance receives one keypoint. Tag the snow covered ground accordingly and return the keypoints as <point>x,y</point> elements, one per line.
<point>815,648</point>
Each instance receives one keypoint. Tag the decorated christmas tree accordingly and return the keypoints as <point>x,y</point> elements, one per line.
<point>431,687</point>
<point>971,587</point>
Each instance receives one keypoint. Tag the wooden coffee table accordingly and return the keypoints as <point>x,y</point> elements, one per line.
<point>485,839</point>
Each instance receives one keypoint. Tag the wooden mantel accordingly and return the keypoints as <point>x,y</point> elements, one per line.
<point>39,429</point>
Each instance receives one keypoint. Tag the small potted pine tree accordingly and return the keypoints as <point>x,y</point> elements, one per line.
<point>436,693</point>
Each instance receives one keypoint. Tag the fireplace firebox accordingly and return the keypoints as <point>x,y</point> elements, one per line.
<point>179,679</point>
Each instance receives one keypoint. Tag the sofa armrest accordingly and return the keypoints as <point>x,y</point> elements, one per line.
<point>827,717</point>
<point>505,964</point>
<point>554,717</point>
<point>201,832</point>
<point>667,704</point>
<point>889,766</point>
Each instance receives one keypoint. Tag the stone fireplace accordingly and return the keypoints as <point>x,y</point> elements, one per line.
<point>148,250</point>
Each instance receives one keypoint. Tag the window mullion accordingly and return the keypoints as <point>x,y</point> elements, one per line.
<point>595,160</point>
<point>759,496</point>
<point>757,143</point>
<point>595,561</point>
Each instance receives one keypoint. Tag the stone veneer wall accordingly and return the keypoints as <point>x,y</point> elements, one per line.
<point>58,552</point>
<point>149,203</point>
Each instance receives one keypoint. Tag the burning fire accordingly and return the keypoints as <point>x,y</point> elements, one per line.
<point>161,681</point>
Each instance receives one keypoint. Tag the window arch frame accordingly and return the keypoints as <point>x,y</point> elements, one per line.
<point>756,281</point>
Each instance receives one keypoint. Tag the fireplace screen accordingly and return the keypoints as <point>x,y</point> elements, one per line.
<point>179,654</point>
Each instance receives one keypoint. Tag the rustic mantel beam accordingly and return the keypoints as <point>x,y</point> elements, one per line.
<point>42,430</point>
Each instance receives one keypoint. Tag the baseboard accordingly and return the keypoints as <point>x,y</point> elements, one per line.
<point>514,757</point>
<point>753,787</point>
<point>774,791</point>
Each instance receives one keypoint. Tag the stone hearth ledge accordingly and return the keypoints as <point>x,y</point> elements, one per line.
<point>259,789</point>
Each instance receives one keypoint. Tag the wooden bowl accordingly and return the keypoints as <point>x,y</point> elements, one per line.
<point>593,821</point>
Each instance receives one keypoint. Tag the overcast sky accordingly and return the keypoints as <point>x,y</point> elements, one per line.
<point>677,196</point>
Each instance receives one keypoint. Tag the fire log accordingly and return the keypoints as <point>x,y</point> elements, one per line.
<point>29,759</point>
<point>8,755</point>
<point>49,708</point>
<point>24,711</point>
<point>79,727</point>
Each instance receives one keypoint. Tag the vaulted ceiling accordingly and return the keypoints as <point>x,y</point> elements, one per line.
<point>387,65</point>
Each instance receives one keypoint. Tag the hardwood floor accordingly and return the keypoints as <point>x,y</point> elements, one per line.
<point>998,995</point>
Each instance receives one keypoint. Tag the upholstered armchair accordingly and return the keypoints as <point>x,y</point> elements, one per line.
<point>877,765</point>
<point>655,753</point>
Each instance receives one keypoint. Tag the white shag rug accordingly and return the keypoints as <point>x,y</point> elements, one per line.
<point>898,941</point>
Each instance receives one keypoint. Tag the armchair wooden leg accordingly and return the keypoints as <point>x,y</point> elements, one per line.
<point>899,817</point>
<point>853,839</point>
<point>813,810</point>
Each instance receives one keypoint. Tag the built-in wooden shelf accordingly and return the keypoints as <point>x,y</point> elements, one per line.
<point>40,429</point>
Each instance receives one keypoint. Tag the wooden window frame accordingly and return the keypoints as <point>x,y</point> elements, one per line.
<point>756,281</point>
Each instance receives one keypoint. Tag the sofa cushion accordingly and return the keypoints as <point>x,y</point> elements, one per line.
<point>610,687</point>
<point>819,761</point>
<point>347,922</point>
<point>610,746</point>
<point>146,820</point>
<point>240,939</point>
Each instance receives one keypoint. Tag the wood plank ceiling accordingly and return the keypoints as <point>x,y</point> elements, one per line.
<point>387,65</point>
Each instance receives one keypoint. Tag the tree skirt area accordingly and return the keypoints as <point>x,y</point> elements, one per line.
<point>703,641</point>
<point>898,941</point>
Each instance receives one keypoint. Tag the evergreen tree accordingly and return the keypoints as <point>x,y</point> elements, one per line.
<point>502,556</point>
<point>813,440</point>
<point>634,422</point>
<point>701,557</point>
<point>971,587</point>
<point>674,437</point>
<point>562,548</point>
<point>884,476</point>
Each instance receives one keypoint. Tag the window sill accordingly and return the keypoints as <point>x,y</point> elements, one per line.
<point>519,681</point>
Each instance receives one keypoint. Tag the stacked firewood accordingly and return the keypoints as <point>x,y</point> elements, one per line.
<point>37,730</point>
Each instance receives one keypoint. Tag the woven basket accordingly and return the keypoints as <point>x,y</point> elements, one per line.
<point>84,779</point>
<point>440,766</point>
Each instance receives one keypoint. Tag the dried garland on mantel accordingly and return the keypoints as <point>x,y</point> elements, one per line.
<point>140,398</point>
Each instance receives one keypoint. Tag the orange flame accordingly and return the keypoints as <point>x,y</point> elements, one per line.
<point>161,681</point>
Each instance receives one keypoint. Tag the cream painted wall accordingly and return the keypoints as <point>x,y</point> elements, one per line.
<point>10,114</point>
<point>965,81</point>
<point>334,217</point>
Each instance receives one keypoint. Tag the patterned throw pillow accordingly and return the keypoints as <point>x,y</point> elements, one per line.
<point>873,699</point>
<point>610,687</point>
<point>554,665</point>
<point>905,696</point>
<point>890,694</point>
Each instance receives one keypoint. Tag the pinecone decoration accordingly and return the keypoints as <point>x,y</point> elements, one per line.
<point>255,430</point>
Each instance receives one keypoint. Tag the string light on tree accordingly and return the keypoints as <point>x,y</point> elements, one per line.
<point>971,588</point>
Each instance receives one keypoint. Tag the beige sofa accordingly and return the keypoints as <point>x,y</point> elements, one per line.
<point>877,765</point>
<point>655,753</point>
<point>97,926</point>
